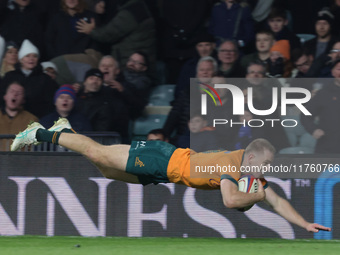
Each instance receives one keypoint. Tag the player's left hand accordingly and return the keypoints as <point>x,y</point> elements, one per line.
<point>314,227</point>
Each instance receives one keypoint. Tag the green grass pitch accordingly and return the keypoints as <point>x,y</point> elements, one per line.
<point>33,245</point>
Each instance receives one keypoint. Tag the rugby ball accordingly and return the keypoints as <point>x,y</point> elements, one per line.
<point>247,184</point>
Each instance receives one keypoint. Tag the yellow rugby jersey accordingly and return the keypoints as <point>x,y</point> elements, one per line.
<point>203,170</point>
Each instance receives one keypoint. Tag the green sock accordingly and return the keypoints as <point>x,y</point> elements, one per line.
<point>43,135</point>
<point>67,130</point>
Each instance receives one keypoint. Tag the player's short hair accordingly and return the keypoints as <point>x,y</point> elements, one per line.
<point>260,145</point>
<point>158,131</point>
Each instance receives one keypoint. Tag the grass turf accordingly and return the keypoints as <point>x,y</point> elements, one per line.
<point>32,245</point>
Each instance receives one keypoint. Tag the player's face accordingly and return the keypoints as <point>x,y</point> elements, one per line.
<point>29,61</point>
<point>264,42</point>
<point>277,24</point>
<point>259,160</point>
<point>205,49</point>
<point>14,97</point>
<point>64,103</point>
<point>155,137</point>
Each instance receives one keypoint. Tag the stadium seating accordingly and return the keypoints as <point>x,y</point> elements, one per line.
<point>162,95</point>
<point>305,37</point>
<point>297,150</point>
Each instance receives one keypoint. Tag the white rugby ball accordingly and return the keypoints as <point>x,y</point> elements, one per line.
<point>247,184</point>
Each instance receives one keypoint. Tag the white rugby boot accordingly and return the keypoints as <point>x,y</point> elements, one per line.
<point>26,137</point>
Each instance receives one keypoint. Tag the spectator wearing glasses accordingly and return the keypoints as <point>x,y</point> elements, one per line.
<point>302,60</point>
<point>228,57</point>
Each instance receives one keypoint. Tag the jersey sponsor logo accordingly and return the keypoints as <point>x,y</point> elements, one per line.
<point>138,162</point>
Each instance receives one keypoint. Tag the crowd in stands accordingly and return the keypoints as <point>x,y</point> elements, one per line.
<point>96,63</point>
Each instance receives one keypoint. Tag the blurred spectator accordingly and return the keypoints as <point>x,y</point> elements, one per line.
<point>179,115</point>
<point>177,34</point>
<point>205,46</point>
<point>324,39</point>
<point>23,20</point>
<point>231,20</point>
<point>131,30</point>
<point>264,41</point>
<point>277,22</point>
<point>228,55</point>
<point>279,64</point>
<point>62,36</point>
<point>10,58</point>
<point>322,66</point>
<point>39,87</point>
<point>95,102</point>
<point>64,101</point>
<point>13,117</point>
<point>50,69</point>
<point>157,135</point>
<point>200,137</point>
<point>325,107</point>
<point>2,46</point>
<point>132,85</point>
<point>335,9</point>
<point>302,60</point>
<point>245,133</point>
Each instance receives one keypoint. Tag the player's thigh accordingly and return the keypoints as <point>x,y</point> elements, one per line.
<point>116,156</point>
<point>118,175</point>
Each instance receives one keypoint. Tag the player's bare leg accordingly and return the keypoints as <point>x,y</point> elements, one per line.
<point>110,160</point>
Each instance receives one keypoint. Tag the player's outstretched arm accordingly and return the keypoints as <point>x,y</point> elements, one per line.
<point>286,210</point>
<point>233,198</point>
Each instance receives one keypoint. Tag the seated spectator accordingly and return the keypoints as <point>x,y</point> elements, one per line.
<point>279,64</point>
<point>177,120</point>
<point>200,137</point>
<point>130,30</point>
<point>133,85</point>
<point>23,20</point>
<point>277,22</point>
<point>322,66</point>
<point>245,133</point>
<point>39,87</point>
<point>102,109</point>
<point>325,107</point>
<point>61,34</point>
<point>157,135</point>
<point>10,58</point>
<point>205,46</point>
<point>50,69</point>
<point>64,101</point>
<point>228,56</point>
<point>264,41</point>
<point>231,21</point>
<point>2,46</point>
<point>324,39</point>
<point>13,117</point>
<point>302,60</point>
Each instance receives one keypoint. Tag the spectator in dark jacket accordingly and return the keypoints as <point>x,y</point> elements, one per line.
<point>39,87</point>
<point>277,22</point>
<point>231,20</point>
<point>96,102</point>
<point>326,106</point>
<point>61,35</point>
<point>64,100</point>
<point>23,20</point>
<point>228,56</point>
<point>324,39</point>
<point>131,30</point>
<point>205,46</point>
